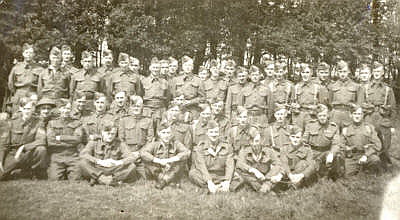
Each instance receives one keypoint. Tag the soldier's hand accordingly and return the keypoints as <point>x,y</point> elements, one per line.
<point>211,187</point>
<point>296,178</point>
<point>105,163</point>
<point>225,186</point>
<point>19,152</point>
<point>276,178</point>
<point>392,130</point>
<point>363,159</point>
<point>329,158</point>
<point>257,173</point>
<point>162,162</point>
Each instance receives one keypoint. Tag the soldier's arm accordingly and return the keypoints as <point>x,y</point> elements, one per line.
<point>200,163</point>
<point>127,156</point>
<point>375,145</point>
<point>75,138</point>
<point>40,138</point>
<point>276,165</point>
<point>311,164</point>
<point>146,152</point>
<point>360,95</point>
<point>284,159</point>
<point>242,162</point>
<point>121,130</point>
<point>335,148</point>
<point>72,86</point>
<point>40,84</point>
<point>229,165</point>
<point>87,152</point>
<point>150,132</point>
<point>11,86</point>
<point>228,104</point>
<point>183,152</point>
<point>5,142</point>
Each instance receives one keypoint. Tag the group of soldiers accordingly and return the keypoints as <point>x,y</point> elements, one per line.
<point>226,127</point>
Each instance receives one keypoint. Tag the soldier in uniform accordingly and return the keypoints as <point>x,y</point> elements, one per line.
<point>324,81</point>
<point>213,163</point>
<point>94,123</point>
<point>229,70</point>
<point>380,100</point>
<point>156,94</point>
<point>165,159</point>
<point>277,134</point>
<point>25,140</point>
<point>164,69</point>
<point>297,160</point>
<point>217,114</point>
<point>269,70</point>
<point>323,137</point>
<point>86,80</point>
<point>242,134</point>
<point>234,96</point>
<point>280,88</point>
<point>199,126</point>
<point>23,76</point>
<point>360,144</point>
<point>214,87</point>
<point>306,96</point>
<point>67,59</point>
<point>64,137</point>
<point>120,106</point>
<point>188,84</point>
<point>173,67</point>
<point>343,93</point>
<point>256,98</point>
<point>259,167</point>
<point>107,70</point>
<point>204,74</point>
<point>53,82</point>
<point>79,107</point>
<point>108,161</point>
<point>123,79</point>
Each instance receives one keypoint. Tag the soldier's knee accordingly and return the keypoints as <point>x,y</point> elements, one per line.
<point>41,151</point>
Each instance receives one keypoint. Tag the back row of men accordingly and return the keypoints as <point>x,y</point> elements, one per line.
<point>268,129</point>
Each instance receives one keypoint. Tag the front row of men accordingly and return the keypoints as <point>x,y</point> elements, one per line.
<point>214,154</point>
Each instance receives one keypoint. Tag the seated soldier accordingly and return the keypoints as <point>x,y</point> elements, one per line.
<point>361,144</point>
<point>164,159</point>
<point>64,137</point>
<point>213,163</point>
<point>108,161</point>
<point>276,135</point>
<point>199,127</point>
<point>217,107</point>
<point>324,139</point>
<point>297,159</point>
<point>25,140</point>
<point>180,130</point>
<point>80,107</point>
<point>119,107</point>
<point>259,167</point>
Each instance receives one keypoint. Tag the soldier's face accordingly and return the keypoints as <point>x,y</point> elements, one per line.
<point>357,115</point>
<point>295,139</point>
<point>65,111</point>
<point>45,111</point>
<point>280,115</point>
<point>306,74</point>
<point>213,134</point>
<point>108,60</point>
<point>109,136</point>
<point>214,72</point>
<point>179,100</point>
<point>255,76</point>
<point>269,70</point>
<point>173,67</point>
<point>377,73</point>
<point>155,69</point>
<point>54,60</point>
<point>123,64</point>
<point>323,74</point>
<point>206,113</point>
<point>229,70</point>
<point>364,75</point>
<point>28,54</point>
<point>87,63</point>
<point>187,67</point>
<point>322,117</point>
<point>80,103</point>
<point>173,113</point>
<point>164,68</point>
<point>100,104</point>
<point>242,77</point>
<point>120,99</point>
<point>137,108</point>
<point>165,135</point>
<point>67,56</point>
<point>279,73</point>
<point>135,65</point>
<point>243,118</point>
<point>27,110</point>
<point>343,73</point>
<point>217,107</point>
<point>203,75</point>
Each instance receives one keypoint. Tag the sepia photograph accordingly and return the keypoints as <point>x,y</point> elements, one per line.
<point>200,109</point>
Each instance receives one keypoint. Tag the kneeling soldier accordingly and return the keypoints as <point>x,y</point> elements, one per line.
<point>213,164</point>
<point>108,161</point>
<point>165,159</point>
<point>64,136</point>
<point>361,144</point>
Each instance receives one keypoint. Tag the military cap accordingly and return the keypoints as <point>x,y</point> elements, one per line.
<point>214,63</point>
<point>294,129</point>
<point>172,60</point>
<point>323,66</point>
<point>163,125</point>
<point>81,95</point>
<point>133,59</point>
<point>123,57</point>
<point>342,64</point>
<point>355,107</point>
<point>204,106</point>
<point>154,60</point>
<point>202,68</point>
<point>98,95</point>
<point>216,99</point>
<point>86,55</point>
<point>377,65</point>
<point>241,110</point>
<point>107,53</point>
<point>212,124</point>
<point>27,46</point>
<point>241,69</point>
<point>46,101</point>
<point>187,59</point>
<point>230,63</point>
<point>279,66</point>
<point>280,107</point>
<point>62,102</point>
<point>66,48</point>
<point>108,125</point>
<point>55,51</point>
<point>320,108</point>
<point>136,100</point>
<point>164,61</point>
<point>254,68</point>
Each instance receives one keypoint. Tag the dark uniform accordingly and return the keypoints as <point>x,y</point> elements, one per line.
<point>53,83</point>
<point>123,80</point>
<point>256,98</point>
<point>87,82</point>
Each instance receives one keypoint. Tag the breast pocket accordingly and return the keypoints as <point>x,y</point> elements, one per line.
<point>16,136</point>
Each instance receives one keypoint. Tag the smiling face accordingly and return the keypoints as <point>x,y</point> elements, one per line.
<point>322,117</point>
<point>45,110</point>
<point>243,118</point>
<point>365,74</point>
<point>28,54</point>
<point>155,69</point>
<point>378,72</point>
<point>255,76</point>
<point>213,134</point>
<point>242,77</point>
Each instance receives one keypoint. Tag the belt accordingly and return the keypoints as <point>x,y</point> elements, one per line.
<point>341,107</point>
<point>154,103</point>
<point>256,112</point>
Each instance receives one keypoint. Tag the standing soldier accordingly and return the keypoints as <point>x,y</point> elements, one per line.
<point>23,76</point>
<point>156,94</point>
<point>64,139</point>
<point>165,159</point>
<point>180,129</point>
<point>343,93</point>
<point>381,101</point>
<point>53,83</point>
<point>86,80</point>
<point>26,140</point>
<point>324,139</point>
<point>188,84</point>
<point>123,79</point>
<point>164,69</point>
<point>215,87</point>
<point>107,70</point>
<point>256,98</point>
<point>361,144</point>
<point>229,69</point>
<point>67,60</point>
<point>213,163</point>
<point>306,97</point>
<point>173,67</point>
<point>280,88</point>
<point>324,82</point>
<point>204,74</point>
<point>269,70</point>
<point>364,74</point>
<point>234,97</point>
